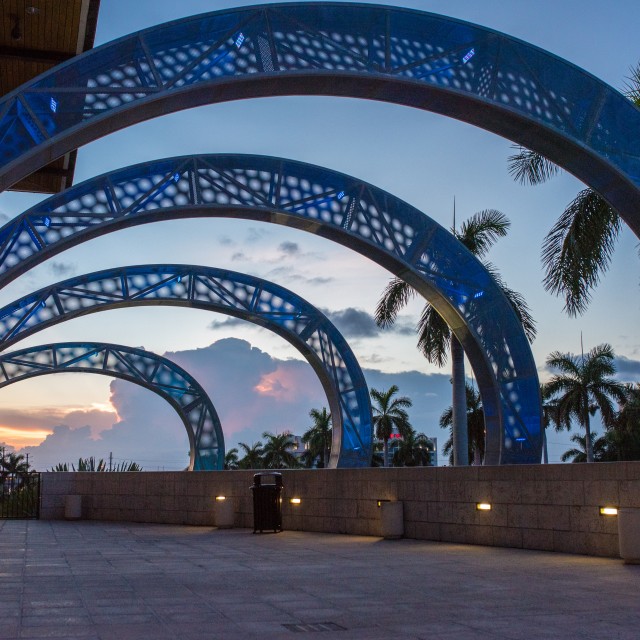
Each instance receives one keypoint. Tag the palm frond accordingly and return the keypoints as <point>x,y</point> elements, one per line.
<point>530,167</point>
<point>517,302</point>
<point>482,229</point>
<point>395,296</point>
<point>434,336</point>
<point>632,85</point>
<point>578,249</point>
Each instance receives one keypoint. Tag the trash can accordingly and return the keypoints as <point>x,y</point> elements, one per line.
<point>267,502</point>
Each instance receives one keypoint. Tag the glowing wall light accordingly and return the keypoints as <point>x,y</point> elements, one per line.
<point>608,511</point>
<point>295,500</point>
<point>483,506</point>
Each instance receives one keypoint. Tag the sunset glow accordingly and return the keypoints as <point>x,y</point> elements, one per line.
<point>22,437</point>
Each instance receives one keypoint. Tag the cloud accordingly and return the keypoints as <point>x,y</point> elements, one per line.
<point>227,322</point>
<point>354,323</point>
<point>254,234</point>
<point>239,256</point>
<point>62,269</point>
<point>628,369</point>
<point>289,248</point>
<point>226,241</point>
<point>251,390</point>
<point>290,275</point>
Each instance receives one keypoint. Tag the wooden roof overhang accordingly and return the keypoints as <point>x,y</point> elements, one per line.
<point>36,35</point>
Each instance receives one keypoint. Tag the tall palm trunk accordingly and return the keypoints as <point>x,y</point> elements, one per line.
<point>587,429</point>
<point>385,452</point>
<point>545,449</point>
<point>459,405</point>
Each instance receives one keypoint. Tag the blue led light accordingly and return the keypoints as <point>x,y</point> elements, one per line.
<point>53,104</point>
<point>479,294</point>
<point>176,177</point>
<point>179,278</point>
<point>47,221</point>
<point>521,439</point>
<point>468,56</point>
<point>239,40</point>
<point>341,195</point>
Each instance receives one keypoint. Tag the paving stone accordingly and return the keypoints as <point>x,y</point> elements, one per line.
<point>168,582</point>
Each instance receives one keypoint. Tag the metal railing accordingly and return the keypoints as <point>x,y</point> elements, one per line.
<point>20,495</point>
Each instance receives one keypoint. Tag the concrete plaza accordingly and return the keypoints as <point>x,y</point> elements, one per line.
<point>121,581</point>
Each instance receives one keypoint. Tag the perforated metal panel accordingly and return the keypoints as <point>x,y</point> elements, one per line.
<point>232,293</point>
<point>345,209</point>
<point>154,372</point>
<point>397,55</point>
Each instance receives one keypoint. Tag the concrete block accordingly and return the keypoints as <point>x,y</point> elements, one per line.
<point>479,491</point>
<point>602,544</point>
<point>570,541</point>
<point>415,511</point>
<point>602,492</point>
<point>424,531</point>
<point>454,533</point>
<point>588,519</point>
<point>507,537</point>
<point>540,539</point>
<point>554,517</point>
<point>629,492</point>
<point>522,516</point>
<point>480,535</point>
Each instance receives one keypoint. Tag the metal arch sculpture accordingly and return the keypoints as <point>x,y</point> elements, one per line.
<point>396,55</point>
<point>231,293</point>
<point>344,209</point>
<point>154,372</point>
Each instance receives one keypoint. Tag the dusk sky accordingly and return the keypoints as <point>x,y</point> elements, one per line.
<point>256,380</point>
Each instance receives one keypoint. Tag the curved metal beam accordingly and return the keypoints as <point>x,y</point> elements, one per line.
<point>396,55</point>
<point>340,207</point>
<point>236,294</point>
<point>160,375</point>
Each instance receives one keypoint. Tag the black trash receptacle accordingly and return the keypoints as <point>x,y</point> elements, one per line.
<point>267,502</point>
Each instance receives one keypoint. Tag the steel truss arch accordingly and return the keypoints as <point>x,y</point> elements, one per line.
<point>156,373</point>
<point>409,57</point>
<point>340,207</point>
<point>236,294</point>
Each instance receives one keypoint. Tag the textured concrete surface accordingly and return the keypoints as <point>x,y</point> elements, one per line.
<point>543,507</point>
<point>123,581</point>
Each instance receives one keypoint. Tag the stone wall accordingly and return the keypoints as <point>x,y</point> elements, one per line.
<point>547,507</point>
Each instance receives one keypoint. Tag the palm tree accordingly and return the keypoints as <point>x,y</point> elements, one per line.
<point>318,436</point>
<point>579,454</point>
<point>231,459</point>
<point>252,456</point>
<point>435,338</point>
<point>551,416</point>
<point>413,451</point>
<point>577,250</point>
<point>623,437</point>
<point>389,413</point>
<point>277,451</point>
<point>584,385</point>
<point>13,463</point>
<point>475,426</point>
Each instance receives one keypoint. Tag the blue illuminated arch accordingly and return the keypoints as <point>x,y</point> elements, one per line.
<point>244,296</point>
<point>340,207</point>
<point>154,372</point>
<point>396,55</point>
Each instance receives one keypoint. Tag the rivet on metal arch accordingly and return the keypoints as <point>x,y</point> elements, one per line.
<point>154,372</point>
<point>331,204</point>
<point>409,57</point>
<point>236,294</point>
